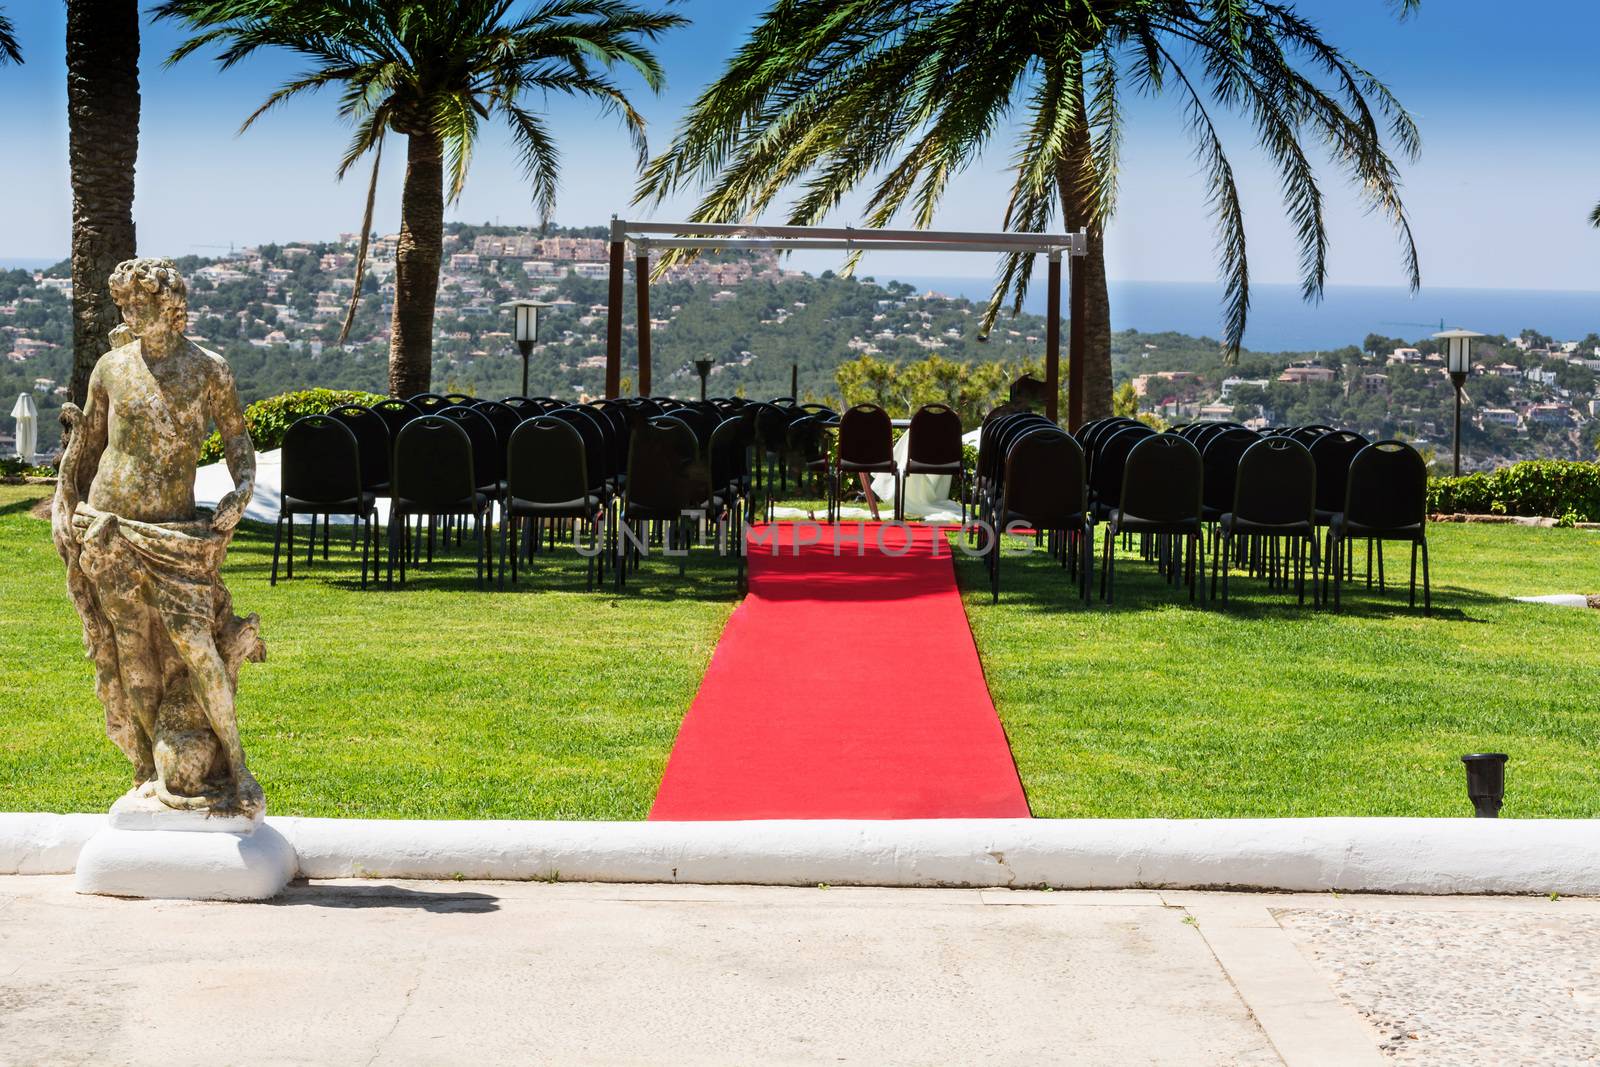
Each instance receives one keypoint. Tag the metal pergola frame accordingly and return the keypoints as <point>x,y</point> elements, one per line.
<point>708,235</point>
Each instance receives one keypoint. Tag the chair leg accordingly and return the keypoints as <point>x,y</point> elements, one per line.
<point>277,539</point>
<point>311,541</point>
<point>1227,553</point>
<point>994,572</point>
<point>366,536</point>
<point>1427,589</point>
<point>327,521</point>
<point>288,560</point>
<point>1411,596</point>
<point>1380,567</point>
<point>1086,550</point>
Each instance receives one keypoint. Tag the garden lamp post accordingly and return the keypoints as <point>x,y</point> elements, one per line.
<point>525,330</point>
<point>1458,360</point>
<point>703,368</point>
<point>1486,782</point>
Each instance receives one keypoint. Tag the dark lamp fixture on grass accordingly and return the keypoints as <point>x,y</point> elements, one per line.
<point>703,368</point>
<point>1486,782</point>
<point>525,330</point>
<point>1458,360</point>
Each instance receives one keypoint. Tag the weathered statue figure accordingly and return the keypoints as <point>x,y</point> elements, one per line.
<point>143,563</point>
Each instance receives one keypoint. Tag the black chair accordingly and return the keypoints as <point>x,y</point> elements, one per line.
<point>1332,453</point>
<point>935,448</point>
<point>434,476</point>
<point>460,398</point>
<point>488,451</point>
<point>548,479</point>
<point>1220,454</point>
<point>374,440</point>
<point>1386,499</point>
<point>866,446</point>
<point>1046,489</point>
<point>503,417</point>
<point>322,476</point>
<point>1107,463</point>
<point>807,443</point>
<point>395,413</point>
<point>1161,496</point>
<point>1275,496</point>
<point>428,403</point>
<point>658,489</point>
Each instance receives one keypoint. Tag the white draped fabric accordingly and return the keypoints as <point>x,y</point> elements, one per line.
<point>927,495</point>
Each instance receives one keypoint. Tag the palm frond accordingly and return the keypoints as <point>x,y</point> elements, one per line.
<point>10,51</point>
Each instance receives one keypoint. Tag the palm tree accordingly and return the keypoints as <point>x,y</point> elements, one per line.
<point>828,94</point>
<point>9,52</point>
<point>103,147</point>
<point>430,70</point>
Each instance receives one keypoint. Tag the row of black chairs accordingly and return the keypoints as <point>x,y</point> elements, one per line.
<point>545,465</point>
<point>1268,495</point>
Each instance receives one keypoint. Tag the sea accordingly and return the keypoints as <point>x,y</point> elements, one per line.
<point>1280,321</point>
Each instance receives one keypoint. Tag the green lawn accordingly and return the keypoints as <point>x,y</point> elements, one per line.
<point>1153,708</point>
<point>432,702</point>
<point>439,702</point>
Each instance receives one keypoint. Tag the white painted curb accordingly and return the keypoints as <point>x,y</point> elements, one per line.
<point>1373,855</point>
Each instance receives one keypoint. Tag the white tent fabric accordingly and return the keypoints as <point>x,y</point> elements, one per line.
<point>927,495</point>
<point>26,412</point>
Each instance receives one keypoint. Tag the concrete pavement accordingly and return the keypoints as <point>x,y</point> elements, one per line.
<point>521,972</point>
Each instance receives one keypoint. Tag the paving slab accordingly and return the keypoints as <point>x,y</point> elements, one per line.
<point>485,972</point>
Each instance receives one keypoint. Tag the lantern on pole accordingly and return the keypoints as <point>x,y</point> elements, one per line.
<point>525,329</point>
<point>1458,361</point>
<point>703,368</point>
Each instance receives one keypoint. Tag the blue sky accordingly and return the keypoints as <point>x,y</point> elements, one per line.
<point>1509,110</point>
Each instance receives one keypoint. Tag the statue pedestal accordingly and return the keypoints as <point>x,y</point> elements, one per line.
<point>150,850</point>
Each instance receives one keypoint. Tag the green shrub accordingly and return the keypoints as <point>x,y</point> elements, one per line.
<point>268,419</point>
<point>1553,487</point>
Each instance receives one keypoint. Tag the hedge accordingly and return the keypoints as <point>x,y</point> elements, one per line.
<point>268,419</point>
<point>1561,489</point>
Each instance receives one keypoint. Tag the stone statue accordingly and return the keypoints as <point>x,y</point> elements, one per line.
<point>143,563</point>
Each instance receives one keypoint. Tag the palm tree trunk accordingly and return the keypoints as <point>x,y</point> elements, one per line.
<point>103,146</point>
<point>416,275</point>
<point>1077,210</point>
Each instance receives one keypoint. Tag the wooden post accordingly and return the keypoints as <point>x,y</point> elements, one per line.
<point>1052,340</point>
<point>641,285</point>
<point>614,324</point>
<point>1075,355</point>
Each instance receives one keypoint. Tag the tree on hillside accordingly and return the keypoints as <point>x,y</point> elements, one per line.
<point>103,147</point>
<point>431,70</point>
<point>828,94</point>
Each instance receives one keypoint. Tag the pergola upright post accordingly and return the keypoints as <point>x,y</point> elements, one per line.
<point>1075,345</point>
<point>641,287</point>
<point>1052,339</point>
<point>614,314</point>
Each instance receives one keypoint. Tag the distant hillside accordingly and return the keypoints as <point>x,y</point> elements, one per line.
<point>275,312</point>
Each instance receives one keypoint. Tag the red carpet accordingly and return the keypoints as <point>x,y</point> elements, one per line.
<point>844,687</point>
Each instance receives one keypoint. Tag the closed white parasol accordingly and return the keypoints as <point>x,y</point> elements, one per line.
<point>26,412</point>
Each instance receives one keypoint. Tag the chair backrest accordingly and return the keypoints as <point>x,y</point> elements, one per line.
<point>428,403</point>
<point>1306,435</point>
<point>1109,459</point>
<point>488,455</point>
<point>660,454</point>
<point>1276,483</point>
<point>866,435</point>
<point>547,462</point>
<point>772,426</point>
<point>725,453</point>
<point>1221,453</point>
<point>1332,453</point>
<point>1046,481</point>
<point>1388,487</point>
<point>935,435</point>
<point>321,460</point>
<point>591,428</point>
<point>372,439</point>
<point>502,417</point>
<point>1001,436</point>
<point>697,421</point>
<point>1092,438</point>
<point>433,464</point>
<point>1161,480</point>
<point>460,398</point>
<point>395,413</point>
